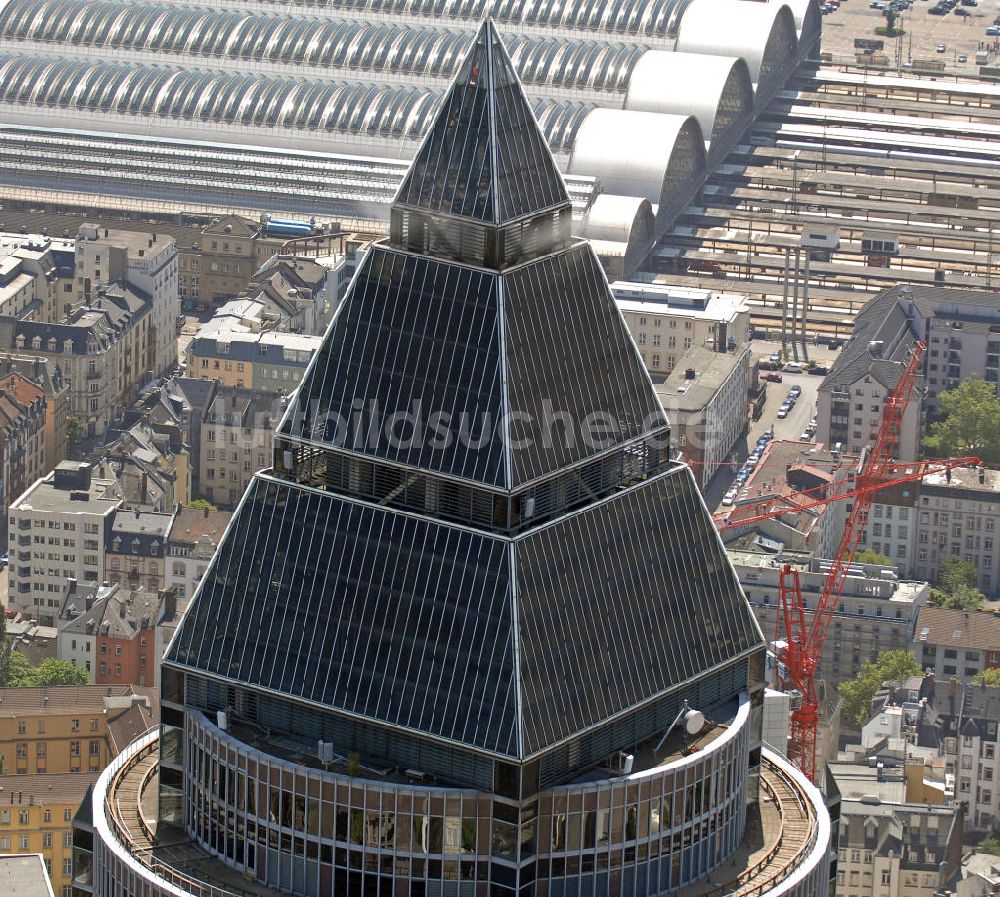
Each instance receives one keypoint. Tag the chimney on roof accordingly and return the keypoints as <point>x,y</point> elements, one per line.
<point>690,374</point>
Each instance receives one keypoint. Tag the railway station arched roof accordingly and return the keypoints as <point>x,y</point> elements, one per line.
<point>763,34</point>
<point>218,35</point>
<point>716,90</point>
<point>645,154</point>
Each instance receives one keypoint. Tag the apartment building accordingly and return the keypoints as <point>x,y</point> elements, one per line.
<point>237,440</point>
<point>22,437</point>
<point>949,724</point>
<point>892,526</point>
<point>36,817</point>
<point>218,263</point>
<point>136,550</point>
<point>706,402</point>
<point>36,276</point>
<point>58,530</point>
<point>876,611</point>
<point>959,512</point>
<point>146,263</point>
<point>55,388</point>
<point>271,360</point>
<point>191,543</point>
<point>301,292</point>
<point>666,321</point>
<point>69,729</point>
<point>152,465</point>
<point>117,634</point>
<point>897,849</point>
<point>956,643</point>
<point>105,350</point>
<point>962,332</point>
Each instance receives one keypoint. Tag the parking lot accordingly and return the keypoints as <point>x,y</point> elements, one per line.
<point>924,32</point>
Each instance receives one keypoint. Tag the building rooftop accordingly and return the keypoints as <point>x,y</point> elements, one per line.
<point>859,780</point>
<point>977,630</point>
<point>688,302</point>
<point>43,789</point>
<point>63,699</point>
<point>24,875</point>
<point>982,480</point>
<point>103,497</point>
<point>136,243</point>
<point>147,523</point>
<point>115,612</point>
<point>711,369</point>
<point>192,524</point>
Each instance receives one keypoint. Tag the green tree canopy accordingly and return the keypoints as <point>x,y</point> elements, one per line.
<point>867,556</point>
<point>956,586</point>
<point>989,845</point>
<point>49,672</point>
<point>970,422</point>
<point>74,429</point>
<point>201,504</point>
<point>859,691</point>
<point>988,677</point>
<point>5,651</point>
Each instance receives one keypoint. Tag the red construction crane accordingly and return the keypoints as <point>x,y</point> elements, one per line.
<point>805,638</point>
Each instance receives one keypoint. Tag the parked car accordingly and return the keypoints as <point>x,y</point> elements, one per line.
<point>782,412</point>
<point>819,369</point>
<point>941,48</point>
<point>805,437</point>
<point>993,30</point>
<point>4,561</point>
<point>793,367</point>
<point>961,11</point>
<point>771,377</point>
<point>796,391</point>
<point>962,57</point>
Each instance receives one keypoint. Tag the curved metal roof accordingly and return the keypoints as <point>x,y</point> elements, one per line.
<point>719,92</point>
<point>426,51</point>
<point>351,107</point>
<point>664,161</point>
<point>764,34</point>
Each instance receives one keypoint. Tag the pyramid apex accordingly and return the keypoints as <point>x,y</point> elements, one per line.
<point>484,157</point>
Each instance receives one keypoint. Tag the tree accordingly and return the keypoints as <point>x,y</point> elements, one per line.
<point>5,651</point>
<point>890,21</point>
<point>867,556</point>
<point>988,677</point>
<point>201,504</point>
<point>75,429</point>
<point>859,691</point>
<point>956,586</point>
<point>989,845</point>
<point>970,422</point>
<point>49,672</point>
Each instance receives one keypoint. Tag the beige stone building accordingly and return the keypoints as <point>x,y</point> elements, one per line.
<point>237,440</point>
<point>146,262</point>
<point>666,321</point>
<point>191,543</point>
<point>219,263</point>
<point>48,375</point>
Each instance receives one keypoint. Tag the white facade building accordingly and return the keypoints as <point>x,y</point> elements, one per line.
<point>57,532</point>
<point>666,321</point>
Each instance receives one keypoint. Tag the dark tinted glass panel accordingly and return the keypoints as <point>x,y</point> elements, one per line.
<point>363,610</point>
<point>417,339</point>
<point>619,604</point>
<point>484,157</point>
<point>575,378</point>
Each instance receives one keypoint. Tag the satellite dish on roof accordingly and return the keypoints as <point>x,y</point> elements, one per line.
<point>694,721</point>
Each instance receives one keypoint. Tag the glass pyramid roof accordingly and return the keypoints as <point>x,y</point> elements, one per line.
<point>484,157</point>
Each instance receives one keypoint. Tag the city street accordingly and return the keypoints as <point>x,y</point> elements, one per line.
<point>792,427</point>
